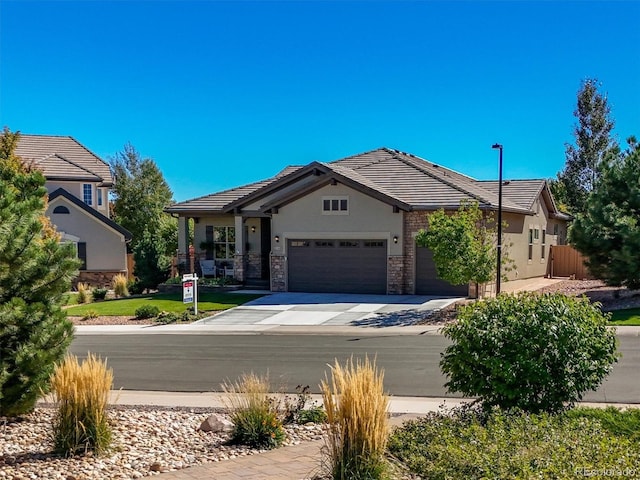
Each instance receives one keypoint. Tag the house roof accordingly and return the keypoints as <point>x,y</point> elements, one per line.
<point>398,178</point>
<point>61,192</point>
<point>63,158</point>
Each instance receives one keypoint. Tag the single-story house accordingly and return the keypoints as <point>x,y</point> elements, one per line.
<point>350,225</point>
<point>78,182</point>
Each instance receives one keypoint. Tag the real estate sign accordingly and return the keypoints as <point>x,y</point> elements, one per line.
<point>187,291</point>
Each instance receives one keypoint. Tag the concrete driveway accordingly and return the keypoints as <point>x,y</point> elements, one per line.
<point>335,309</point>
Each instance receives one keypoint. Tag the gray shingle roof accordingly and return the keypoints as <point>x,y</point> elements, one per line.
<point>48,151</point>
<point>400,176</point>
<point>523,192</point>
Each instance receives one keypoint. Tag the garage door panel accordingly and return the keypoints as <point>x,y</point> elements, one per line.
<point>341,266</point>
<point>427,281</point>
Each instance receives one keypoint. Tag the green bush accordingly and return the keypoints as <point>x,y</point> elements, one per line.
<point>498,444</point>
<point>99,294</point>
<point>315,414</point>
<point>529,351</point>
<point>91,314</point>
<point>168,317</point>
<point>147,311</point>
<point>617,422</point>
<point>173,281</point>
<point>135,287</point>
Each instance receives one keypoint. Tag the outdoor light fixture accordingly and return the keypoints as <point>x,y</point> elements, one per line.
<point>395,239</point>
<point>253,229</point>
<point>499,252</point>
<point>277,238</point>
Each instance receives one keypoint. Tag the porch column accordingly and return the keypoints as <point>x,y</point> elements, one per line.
<point>238,259</point>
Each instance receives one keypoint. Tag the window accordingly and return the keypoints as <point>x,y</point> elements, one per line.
<point>220,242</point>
<point>300,243</point>
<point>349,243</point>
<point>61,209</point>
<point>325,244</point>
<point>373,244</point>
<point>82,255</point>
<point>87,194</point>
<point>544,241</point>
<point>530,243</point>
<point>335,205</point>
<point>556,229</point>
<point>99,195</point>
<point>536,235</point>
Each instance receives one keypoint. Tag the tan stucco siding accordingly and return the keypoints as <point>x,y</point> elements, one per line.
<point>516,241</point>
<point>200,228</point>
<point>367,218</point>
<point>75,189</point>
<point>106,248</point>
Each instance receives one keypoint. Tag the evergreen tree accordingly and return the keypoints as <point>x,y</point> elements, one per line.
<point>608,233</point>
<point>592,142</point>
<point>35,271</point>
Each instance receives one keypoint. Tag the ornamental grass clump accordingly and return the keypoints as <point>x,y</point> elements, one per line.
<point>120,286</point>
<point>81,395</point>
<point>254,415</point>
<point>357,420</point>
<point>84,293</point>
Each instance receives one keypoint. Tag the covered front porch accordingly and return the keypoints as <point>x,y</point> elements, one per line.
<point>232,246</point>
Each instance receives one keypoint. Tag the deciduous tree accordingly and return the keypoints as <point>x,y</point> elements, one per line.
<point>463,246</point>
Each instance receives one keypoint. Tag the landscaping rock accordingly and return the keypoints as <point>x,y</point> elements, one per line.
<point>216,423</point>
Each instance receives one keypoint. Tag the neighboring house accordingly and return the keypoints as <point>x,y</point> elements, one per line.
<point>350,225</point>
<point>78,182</point>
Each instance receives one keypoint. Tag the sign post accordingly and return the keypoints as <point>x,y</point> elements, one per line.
<point>190,290</point>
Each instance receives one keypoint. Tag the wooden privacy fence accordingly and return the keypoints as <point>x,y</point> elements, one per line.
<point>566,261</point>
<point>130,265</point>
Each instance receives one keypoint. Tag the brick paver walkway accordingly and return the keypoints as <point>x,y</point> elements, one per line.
<point>296,462</point>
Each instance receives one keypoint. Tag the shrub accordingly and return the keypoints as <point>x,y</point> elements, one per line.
<point>90,314</point>
<point>147,311</point>
<point>295,411</point>
<point>175,281</point>
<point>529,351</point>
<point>618,422</point>
<point>81,394</point>
<point>135,287</point>
<point>168,317</point>
<point>315,414</point>
<point>99,294</point>
<point>119,283</point>
<point>254,416</point>
<point>498,444</point>
<point>356,408</point>
<point>84,290</point>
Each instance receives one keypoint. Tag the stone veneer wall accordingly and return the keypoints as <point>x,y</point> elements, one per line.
<point>238,268</point>
<point>254,265</point>
<point>395,275</point>
<point>278,280</point>
<point>413,221</point>
<point>100,279</point>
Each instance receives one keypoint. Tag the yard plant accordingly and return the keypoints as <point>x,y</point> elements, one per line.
<point>254,415</point>
<point>474,444</point>
<point>356,407</point>
<point>120,285</point>
<point>81,394</point>
<point>529,351</point>
<point>35,272</point>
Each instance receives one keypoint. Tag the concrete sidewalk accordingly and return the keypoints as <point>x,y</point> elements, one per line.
<point>295,462</point>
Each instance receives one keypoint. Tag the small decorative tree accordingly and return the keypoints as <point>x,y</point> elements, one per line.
<point>463,245</point>
<point>35,271</point>
<point>528,351</point>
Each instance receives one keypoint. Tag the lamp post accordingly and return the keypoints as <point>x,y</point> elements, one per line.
<point>499,147</point>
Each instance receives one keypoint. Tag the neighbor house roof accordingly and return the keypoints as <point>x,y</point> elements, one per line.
<point>63,158</point>
<point>61,192</point>
<point>398,178</point>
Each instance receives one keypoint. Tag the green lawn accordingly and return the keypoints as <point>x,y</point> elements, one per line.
<point>167,302</point>
<point>629,317</point>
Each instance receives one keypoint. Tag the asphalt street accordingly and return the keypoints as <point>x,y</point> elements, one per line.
<point>200,363</point>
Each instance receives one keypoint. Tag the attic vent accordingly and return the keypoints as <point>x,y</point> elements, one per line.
<point>434,165</point>
<point>506,182</point>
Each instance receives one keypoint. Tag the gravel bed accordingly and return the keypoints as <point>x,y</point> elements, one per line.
<point>611,298</point>
<point>146,441</point>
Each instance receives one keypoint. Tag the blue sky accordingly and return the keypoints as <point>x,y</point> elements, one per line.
<point>224,93</point>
